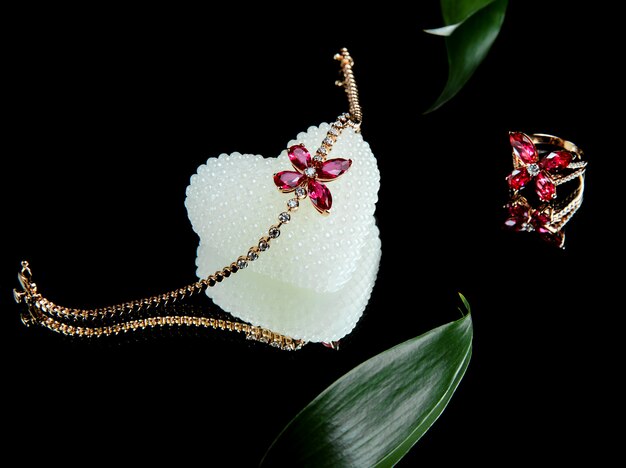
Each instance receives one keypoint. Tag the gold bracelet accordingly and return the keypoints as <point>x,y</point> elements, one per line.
<point>308,180</point>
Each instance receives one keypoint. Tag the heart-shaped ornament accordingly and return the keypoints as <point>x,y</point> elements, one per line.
<point>316,279</point>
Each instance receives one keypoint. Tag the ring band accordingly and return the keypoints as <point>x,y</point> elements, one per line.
<point>549,167</point>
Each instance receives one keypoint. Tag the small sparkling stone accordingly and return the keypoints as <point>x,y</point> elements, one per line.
<point>293,203</point>
<point>241,264</point>
<point>300,192</point>
<point>284,217</point>
<point>533,169</point>
<point>263,245</point>
<point>342,118</point>
<point>334,131</point>
<point>318,159</point>
<point>252,255</point>
<point>274,232</point>
<point>310,172</point>
<point>322,150</point>
<point>327,141</point>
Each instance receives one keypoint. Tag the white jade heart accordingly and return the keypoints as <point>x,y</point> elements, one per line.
<point>316,279</point>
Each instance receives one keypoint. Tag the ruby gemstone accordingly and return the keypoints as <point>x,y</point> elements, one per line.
<point>540,221</point>
<point>518,217</point>
<point>333,168</point>
<point>299,157</point>
<point>518,178</point>
<point>544,186</point>
<point>523,147</point>
<point>288,180</point>
<point>320,196</point>
<point>554,238</point>
<point>556,160</point>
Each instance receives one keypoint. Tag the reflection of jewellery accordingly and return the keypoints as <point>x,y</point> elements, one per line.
<point>548,160</point>
<point>549,219</point>
<point>309,181</point>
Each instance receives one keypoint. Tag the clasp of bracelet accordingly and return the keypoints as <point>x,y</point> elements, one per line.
<point>25,277</point>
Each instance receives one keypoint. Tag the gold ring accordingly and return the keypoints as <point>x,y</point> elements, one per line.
<point>547,160</point>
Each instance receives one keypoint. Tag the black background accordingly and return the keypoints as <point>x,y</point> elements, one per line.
<point>110,112</point>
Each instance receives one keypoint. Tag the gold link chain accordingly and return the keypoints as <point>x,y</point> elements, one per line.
<point>56,318</point>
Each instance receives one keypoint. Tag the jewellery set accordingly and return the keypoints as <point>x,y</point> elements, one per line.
<point>304,273</point>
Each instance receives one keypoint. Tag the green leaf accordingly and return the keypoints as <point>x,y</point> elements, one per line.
<point>471,28</point>
<point>375,413</point>
<point>457,11</point>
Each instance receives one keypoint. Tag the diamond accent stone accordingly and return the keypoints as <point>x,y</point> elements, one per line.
<point>327,141</point>
<point>301,192</point>
<point>263,245</point>
<point>284,217</point>
<point>310,172</point>
<point>274,232</point>
<point>318,159</point>
<point>241,264</point>
<point>334,131</point>
<point>533,169</point>
<point>252,255</point>
<point>322,150</point>
<point>293,203</point>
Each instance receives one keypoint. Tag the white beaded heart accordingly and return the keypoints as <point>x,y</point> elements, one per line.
<point>315,280</point>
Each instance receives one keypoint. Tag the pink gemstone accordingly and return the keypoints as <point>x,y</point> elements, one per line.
<point>523,147</point>
<point>320,196</point>
<point>518,178</point>
<point>515,224</point>
<point>518,217</point>
<point>540,222</point>
<point>556,160</point>
<point>332,345</point>
<point>299,157</point>
<point>554,238</point>
<point>287,181</point>
<point>518,210</point>
<point>544,186</point>
<point>333,168</point>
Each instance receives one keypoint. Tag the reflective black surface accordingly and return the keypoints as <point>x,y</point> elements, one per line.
<point>110,115</point>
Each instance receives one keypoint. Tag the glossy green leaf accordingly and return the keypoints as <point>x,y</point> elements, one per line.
<point>471,28</point>
<point>457,11</point>
<point>375,413</point>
